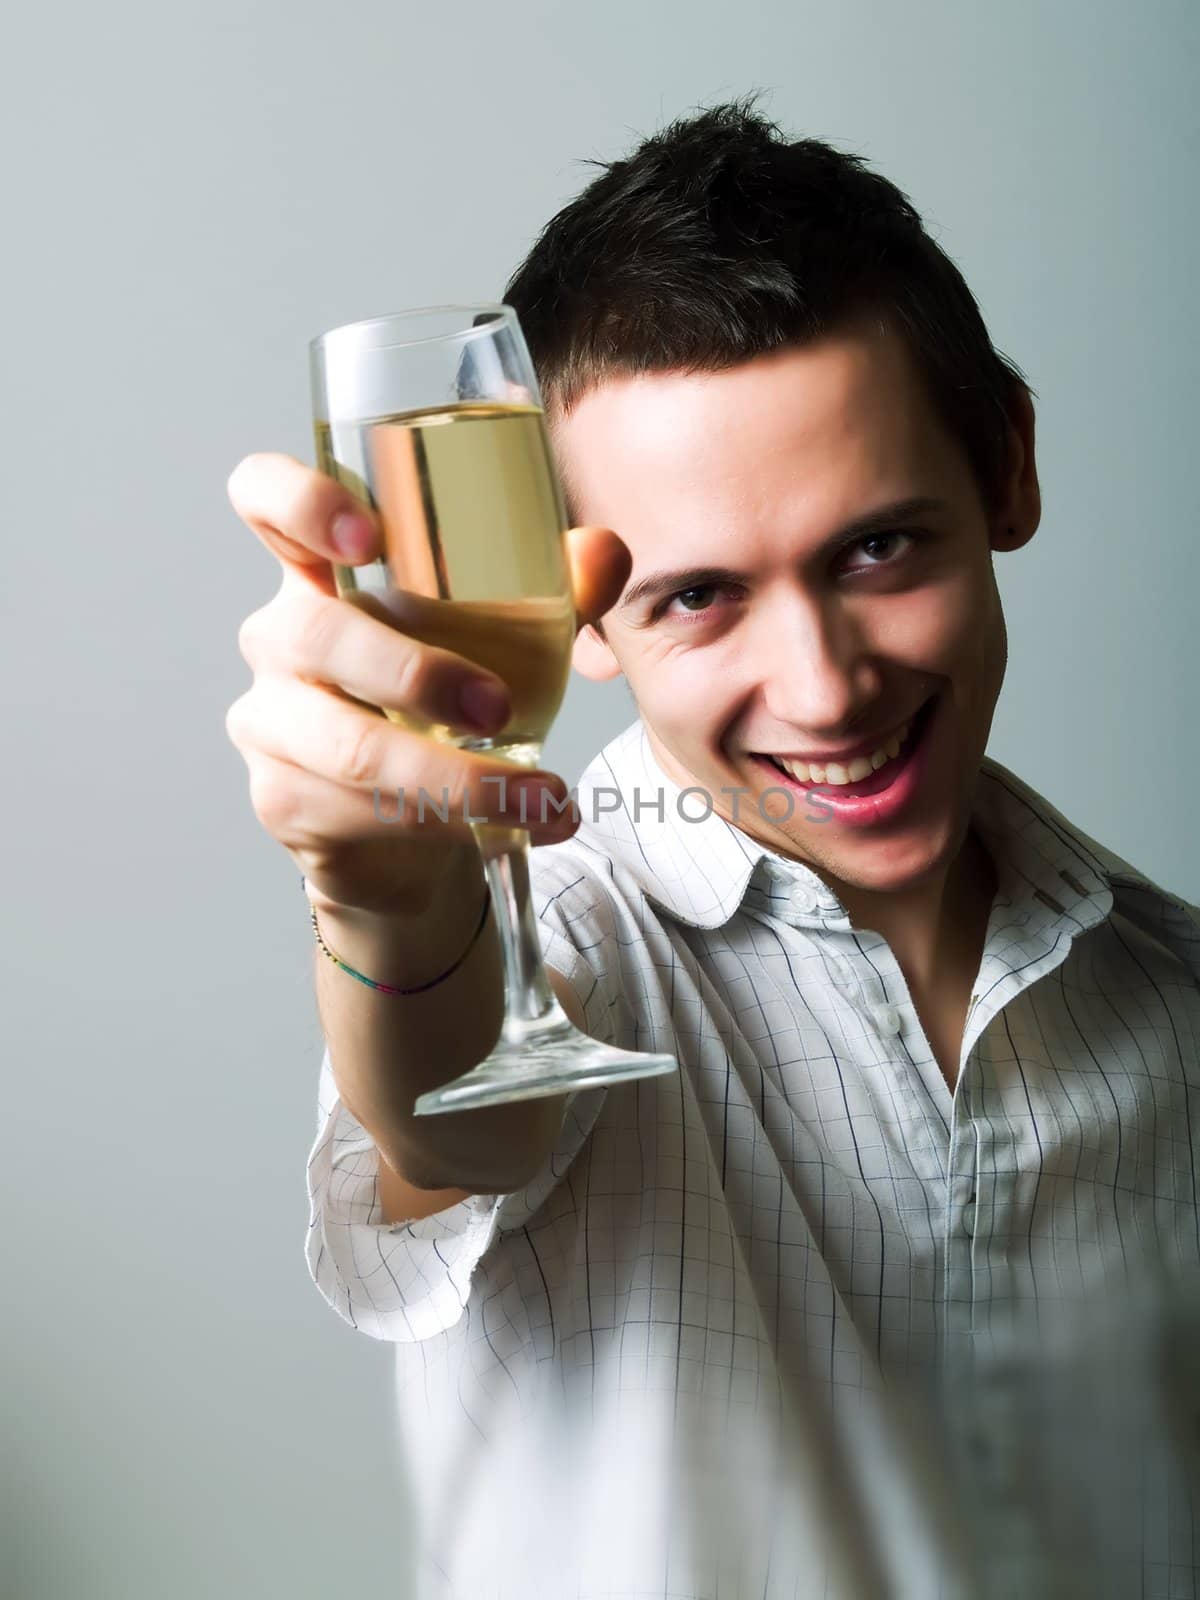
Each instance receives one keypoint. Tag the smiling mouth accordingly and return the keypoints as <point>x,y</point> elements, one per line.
<point>865,774</point>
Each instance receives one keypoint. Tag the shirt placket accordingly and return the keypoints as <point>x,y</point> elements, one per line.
<point>906,1084</point>
<point>976,1390</point>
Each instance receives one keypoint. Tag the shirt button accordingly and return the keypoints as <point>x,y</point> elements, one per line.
<point>888,1019</point>
<point>801,901</point>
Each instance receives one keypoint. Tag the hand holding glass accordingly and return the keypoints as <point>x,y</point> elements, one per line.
<point>433,419</point>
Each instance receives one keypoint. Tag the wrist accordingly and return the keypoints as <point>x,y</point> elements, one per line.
<point>404,949</point>
<point>405,989</point>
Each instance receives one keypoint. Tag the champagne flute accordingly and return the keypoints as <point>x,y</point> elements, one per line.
<point>433,419</point>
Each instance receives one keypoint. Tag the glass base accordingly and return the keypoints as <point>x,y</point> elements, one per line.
<point>537,1061</point>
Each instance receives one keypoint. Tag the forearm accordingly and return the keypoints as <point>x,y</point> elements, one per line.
<point>386,1050</point>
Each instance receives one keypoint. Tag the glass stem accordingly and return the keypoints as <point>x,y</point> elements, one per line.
<point>529,1001</point>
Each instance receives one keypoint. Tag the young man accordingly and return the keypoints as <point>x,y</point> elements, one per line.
<point>804,1317</point>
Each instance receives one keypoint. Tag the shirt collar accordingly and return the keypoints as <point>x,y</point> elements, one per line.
<point>700,868</point>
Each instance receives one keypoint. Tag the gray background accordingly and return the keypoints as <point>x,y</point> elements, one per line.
<point>192,193</point>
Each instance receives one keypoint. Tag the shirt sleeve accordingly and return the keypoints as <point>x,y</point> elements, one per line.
<point>406,1281</point>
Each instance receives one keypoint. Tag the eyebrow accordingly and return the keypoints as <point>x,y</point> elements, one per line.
<point>657,584</point>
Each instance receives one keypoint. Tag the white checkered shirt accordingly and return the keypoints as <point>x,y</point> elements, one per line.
<point>798,1320</point>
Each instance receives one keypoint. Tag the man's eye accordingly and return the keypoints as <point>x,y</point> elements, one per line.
<point>697,599</point>
<point>912,535</point>
<point>699,602</point>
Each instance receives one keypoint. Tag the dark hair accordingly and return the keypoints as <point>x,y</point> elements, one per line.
<point>718,240</point>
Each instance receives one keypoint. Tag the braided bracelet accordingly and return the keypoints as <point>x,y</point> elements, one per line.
<point>389,988</point>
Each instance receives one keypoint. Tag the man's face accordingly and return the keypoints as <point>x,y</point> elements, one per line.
<point>756,642</point>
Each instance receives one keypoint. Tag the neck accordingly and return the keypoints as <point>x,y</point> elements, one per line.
<point>938,926</point>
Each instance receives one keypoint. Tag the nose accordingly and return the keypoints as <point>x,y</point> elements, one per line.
<point>814,667</point>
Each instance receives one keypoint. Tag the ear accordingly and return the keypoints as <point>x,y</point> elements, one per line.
<point>593,657</point>
<point>1017,519</point>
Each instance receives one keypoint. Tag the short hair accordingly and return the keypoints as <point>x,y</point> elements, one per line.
<point>718,240</point>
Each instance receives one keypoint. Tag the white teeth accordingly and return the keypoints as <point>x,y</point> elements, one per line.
<point>861,767</point>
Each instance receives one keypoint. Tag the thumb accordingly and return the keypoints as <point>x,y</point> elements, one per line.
<point>599,562</point>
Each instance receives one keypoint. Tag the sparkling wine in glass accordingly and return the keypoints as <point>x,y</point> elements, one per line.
<point>433,419</point>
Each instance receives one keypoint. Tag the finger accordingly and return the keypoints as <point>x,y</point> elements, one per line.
<point>428,784</point>
<point>600,562</point>
<point>331,641</point>
<point>305,812</point>
<point>301,809</point>
<point>305,518</point>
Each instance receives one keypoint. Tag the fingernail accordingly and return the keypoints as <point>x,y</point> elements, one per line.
<point>352,535</point>
<point>485,705</point>
<point>543,801</point>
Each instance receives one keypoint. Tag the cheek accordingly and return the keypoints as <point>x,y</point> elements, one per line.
<point>690,696</point>
<point>977,617</point>
<point>995,646</point>
<point>943,626</point>
<point>975,644</point>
